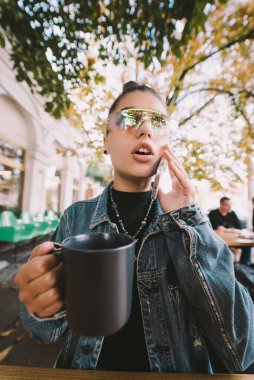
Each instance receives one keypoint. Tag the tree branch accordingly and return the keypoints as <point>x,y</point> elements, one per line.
<point>216,89</point>
<point>240,39</point>
<point>241,111</point>
<point>219,91</point>
<point>197,111</point>
<point>246,36</point>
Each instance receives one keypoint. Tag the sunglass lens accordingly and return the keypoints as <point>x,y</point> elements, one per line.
<point>133,118</point>
<point>159,121</point>
<point>125,120</point>
<point>130,119</point>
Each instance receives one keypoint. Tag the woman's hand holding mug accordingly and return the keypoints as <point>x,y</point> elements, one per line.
<point>97,272</point>
<point>40,282</point>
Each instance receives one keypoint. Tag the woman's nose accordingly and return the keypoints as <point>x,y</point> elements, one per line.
<point>144,129</point>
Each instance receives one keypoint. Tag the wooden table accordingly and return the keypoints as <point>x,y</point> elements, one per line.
<point>30,373</point>
<point>233,240</point>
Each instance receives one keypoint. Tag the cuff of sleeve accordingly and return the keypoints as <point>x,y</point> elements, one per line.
<point>56,316</point>
<point>189,215</point>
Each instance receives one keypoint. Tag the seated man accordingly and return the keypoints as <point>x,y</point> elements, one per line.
<point>222,218</point>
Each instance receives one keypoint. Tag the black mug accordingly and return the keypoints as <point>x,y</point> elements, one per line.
<point>98,276</point>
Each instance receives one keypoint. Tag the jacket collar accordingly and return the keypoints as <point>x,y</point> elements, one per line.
<point>101,211</point>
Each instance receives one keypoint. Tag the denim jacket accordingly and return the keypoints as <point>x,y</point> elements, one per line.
<point>196,316</point>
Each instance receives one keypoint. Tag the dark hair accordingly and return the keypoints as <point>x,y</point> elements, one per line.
<point>223,199</point>
<point>132,86</point>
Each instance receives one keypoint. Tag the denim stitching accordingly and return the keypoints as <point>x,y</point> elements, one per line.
<point>212,305</point>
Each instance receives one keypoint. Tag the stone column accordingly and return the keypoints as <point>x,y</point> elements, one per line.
<point>35,178</point>
<point>67,179</point>
<point>82,183</point>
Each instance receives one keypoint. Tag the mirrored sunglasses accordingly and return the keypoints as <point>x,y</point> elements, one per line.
<point>131,120</point>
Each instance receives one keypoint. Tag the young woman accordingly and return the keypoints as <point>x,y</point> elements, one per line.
<point>189,314</point>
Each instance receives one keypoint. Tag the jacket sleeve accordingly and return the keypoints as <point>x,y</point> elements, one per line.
<point>52,328</point>
<point>205,270</point>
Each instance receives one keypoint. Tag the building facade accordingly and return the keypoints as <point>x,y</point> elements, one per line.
<point>33,176</point>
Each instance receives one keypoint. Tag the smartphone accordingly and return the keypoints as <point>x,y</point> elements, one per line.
<point>160,170</point>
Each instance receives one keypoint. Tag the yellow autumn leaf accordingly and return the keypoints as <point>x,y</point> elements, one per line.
<point>7,333</point>
<point>5,353</point>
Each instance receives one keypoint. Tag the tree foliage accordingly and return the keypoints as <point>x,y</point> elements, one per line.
<point>50,40</point>
<point>200,57</point>
<point>209,90</point>
<point>215,70</point>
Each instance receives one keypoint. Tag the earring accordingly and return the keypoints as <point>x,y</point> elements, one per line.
<point>105,152</point>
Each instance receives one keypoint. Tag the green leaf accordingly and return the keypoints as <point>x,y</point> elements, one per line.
<point>49,106</point>
<point>2,40</point>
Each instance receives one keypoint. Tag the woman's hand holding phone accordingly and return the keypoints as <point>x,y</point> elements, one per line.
<point>182,193</point>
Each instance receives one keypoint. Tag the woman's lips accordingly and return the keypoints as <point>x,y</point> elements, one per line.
<point>142,157</point>
<point>143,146</point>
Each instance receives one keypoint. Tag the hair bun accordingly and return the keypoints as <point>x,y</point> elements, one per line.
<point>129,84</point>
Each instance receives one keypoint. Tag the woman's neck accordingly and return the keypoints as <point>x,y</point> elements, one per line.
<point>121,184</point>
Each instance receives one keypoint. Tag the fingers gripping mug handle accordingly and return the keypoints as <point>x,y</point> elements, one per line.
<point>58,250</point>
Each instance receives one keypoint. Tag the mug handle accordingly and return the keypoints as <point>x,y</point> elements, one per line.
<point>58,250</point>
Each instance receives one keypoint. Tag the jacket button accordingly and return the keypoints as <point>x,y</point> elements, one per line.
<point>184,215</point>
<point>86,350</point>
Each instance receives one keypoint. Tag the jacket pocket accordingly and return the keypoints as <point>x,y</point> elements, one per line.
<point>66,356</point>
<point>177,301</point>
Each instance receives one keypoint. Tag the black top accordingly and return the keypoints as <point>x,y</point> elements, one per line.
<point>228,221</point>
<point>126,349</point>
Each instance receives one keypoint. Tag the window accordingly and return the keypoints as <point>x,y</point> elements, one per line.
<point>53,183</point>
<point>11,177</point>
